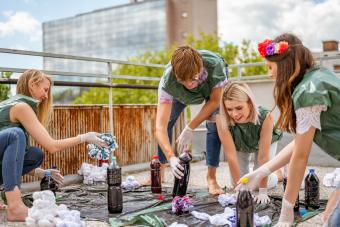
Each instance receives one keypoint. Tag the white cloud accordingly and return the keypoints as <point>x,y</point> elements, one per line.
<point>313,21</point>
<point>20,23</point>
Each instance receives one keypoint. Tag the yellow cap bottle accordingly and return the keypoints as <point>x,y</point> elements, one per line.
<point>244,180</point>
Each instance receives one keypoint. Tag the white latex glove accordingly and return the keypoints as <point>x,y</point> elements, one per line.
<point>176,168</point>
<point>255,177</point>
<point>184,140</point>
<point>287,214</point>
<point>262,197</point>
<point>92,137</point>
<point>40,173</point>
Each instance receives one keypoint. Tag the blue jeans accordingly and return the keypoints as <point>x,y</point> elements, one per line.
<point>15,159</point>
<point>213,143</point>
<point>334,219</point>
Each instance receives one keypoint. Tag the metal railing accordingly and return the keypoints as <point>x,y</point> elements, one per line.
<point>109,75</point>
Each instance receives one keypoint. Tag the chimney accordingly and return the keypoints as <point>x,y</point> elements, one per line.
<point>330,45</point>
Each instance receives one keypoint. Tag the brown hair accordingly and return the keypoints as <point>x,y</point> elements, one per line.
<point>44,107</point>
<point>186,63</point>
<point>291,67</point>
<point>241,92</point>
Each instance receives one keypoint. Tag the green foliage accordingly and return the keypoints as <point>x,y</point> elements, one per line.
<point>249,55</point>
<point>231,53</point>
<point>5,88</point>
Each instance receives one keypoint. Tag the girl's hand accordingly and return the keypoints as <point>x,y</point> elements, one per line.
<point>287,214</point>
<point>92,137</point>
<point>255,177</point>
<point>262,197</point>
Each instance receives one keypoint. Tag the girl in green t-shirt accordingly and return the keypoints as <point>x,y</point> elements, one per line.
<point>245,129</point>
<point>28,113</point>
<point>308,97</point>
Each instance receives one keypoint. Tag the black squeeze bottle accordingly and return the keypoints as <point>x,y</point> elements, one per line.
<point>284,182</point>
<point>155,166</point>
<point>181,185</point>
<point>244,206</point>
<point>312,192</point>
<point>47,183</point>
<point>114,190</point>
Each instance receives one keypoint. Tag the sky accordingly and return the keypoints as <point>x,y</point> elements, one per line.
<point>21,24</point>
<point>255,20</point>
<point>311,20</point>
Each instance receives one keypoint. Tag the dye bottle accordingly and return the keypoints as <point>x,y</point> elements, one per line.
<point>47,183</point>
<point>284,182</point>
<point>312,191</point>
<point>155,166</point>
<point>181,185</point>
<point>244,206</point>
<point>114,190</point>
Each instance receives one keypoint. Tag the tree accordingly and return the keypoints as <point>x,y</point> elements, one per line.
<point>249,55</point>
<point>5,88</point>
<point>230,52</point>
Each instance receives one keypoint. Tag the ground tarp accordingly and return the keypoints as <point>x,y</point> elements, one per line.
<point>141,207</point>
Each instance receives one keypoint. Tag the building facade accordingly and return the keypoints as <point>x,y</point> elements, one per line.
<point>125,31</point>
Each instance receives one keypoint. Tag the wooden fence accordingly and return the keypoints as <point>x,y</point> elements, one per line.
<point>133,126</point>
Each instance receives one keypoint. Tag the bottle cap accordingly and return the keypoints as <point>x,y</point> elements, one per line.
<point>113,158</point>
<point>155,157</point>
<point>244,180</point>
<point>311,170</point>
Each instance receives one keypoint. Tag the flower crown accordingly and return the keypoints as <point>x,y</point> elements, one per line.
<point>268,47</point>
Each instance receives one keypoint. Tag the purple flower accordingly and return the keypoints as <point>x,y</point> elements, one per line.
<point>270,49</point>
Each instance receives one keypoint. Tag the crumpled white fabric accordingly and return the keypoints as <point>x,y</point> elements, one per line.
<point>260,221</point>
<point>332,179</point>
<point>175,224</point>
<point>46,213</point>
<point>227,199</point>
<point>217,219</point>
<point>93,173</point>
<point>222,219</point>
<point>131,183</point>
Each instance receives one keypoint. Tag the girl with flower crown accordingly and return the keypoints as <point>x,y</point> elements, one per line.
<point>308,97</point>
<point>244,129</point>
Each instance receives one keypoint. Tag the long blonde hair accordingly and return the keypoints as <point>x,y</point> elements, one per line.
<point>35,76</point>
<point>240,92</point>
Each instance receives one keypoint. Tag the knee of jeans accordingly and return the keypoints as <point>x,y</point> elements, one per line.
<point>37,155</point>
<point>17,134</point>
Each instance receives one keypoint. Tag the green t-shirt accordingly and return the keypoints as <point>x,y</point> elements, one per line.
<point>216,69</point>
<point>5,107</point>
<point>246,136</point>
<point>321,87</point>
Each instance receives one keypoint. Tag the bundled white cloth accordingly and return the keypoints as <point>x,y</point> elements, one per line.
<point>228,218</point>
<point>46,213</point>
<point>227,199</point>
<point>332,179</point>
<point>131,183</point>
<point>217,219</point>
<point>93,173</point>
